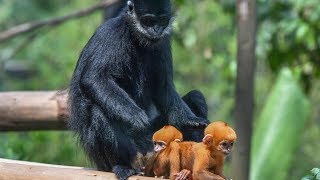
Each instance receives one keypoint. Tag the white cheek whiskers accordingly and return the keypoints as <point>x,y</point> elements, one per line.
<point>168,29</point>
<point>137,25</point>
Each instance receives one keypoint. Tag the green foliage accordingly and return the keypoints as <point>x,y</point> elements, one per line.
<point>204,54</point>
<point>48,147</point>
<point>60,48</point>
<point>14,11</point>
<point>307,154</point>
<point>278,129</point>
<point>291,36</point>
<point>315,175</point>
<point>288,35</point>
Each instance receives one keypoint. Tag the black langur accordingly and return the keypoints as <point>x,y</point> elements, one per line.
<point>122,90</point>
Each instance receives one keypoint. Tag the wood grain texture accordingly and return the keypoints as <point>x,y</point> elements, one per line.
<point>22,170</point>
<point>43,110</point>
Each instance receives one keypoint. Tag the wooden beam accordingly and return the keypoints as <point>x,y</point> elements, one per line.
<point>22,170</point>
<point>44,110</point>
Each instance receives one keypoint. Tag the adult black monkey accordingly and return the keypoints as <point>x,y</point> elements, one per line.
<point>122,88</point>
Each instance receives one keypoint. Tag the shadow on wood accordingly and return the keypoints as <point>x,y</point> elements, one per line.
<point>22,170</point>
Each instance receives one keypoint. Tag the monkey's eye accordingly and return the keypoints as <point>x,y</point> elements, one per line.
<point>231,144</point>
<point>154,143</point>
<point>224,144</point>
<point>163,21</point>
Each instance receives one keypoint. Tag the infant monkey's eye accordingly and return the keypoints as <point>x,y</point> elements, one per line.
<point>224,144</point>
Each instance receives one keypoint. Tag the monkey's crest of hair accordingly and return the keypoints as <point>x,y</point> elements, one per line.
<point>167,134</point>
<point>220,130</point>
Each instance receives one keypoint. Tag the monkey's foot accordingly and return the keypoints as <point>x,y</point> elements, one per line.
<point>123,172</point>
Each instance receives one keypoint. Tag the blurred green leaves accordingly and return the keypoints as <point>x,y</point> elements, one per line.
<point>277,132</point>
<point>52,50</point>
<point>204,54</point>
<point>315,175</point>
<point>293,38</point>
<point>46,146</point>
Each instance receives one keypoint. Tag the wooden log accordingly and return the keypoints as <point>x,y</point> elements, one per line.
<point>44,110</point>
<point>22,170</point>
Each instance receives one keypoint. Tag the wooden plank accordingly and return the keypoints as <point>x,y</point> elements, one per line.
<point>43,110</point>
<point>22,170</point>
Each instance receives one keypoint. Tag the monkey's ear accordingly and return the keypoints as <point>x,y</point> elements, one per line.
<point>130,6</point>
<point>208,140</point>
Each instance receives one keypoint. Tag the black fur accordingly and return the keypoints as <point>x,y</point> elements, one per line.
<point>114,10</point>
<point>122,91</point>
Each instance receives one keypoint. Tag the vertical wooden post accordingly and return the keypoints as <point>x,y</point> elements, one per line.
<point>246,19</point>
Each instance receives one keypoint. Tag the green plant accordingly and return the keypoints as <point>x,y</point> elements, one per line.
<point>315,175</point>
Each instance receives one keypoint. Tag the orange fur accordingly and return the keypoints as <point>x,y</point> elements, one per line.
<point>209,155</point>
<point>167,134</point>
<point>203,160</point>
<point>163,162</point>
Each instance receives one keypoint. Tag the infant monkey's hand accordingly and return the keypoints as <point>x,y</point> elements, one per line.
<point>183,175</point>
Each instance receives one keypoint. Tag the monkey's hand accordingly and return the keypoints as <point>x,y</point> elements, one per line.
<point>183,175</point>
<point>189,122</point>
<point>196,122</point>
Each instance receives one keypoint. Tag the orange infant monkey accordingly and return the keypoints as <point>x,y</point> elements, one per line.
<point>166,148</point>
<point>210,154</point>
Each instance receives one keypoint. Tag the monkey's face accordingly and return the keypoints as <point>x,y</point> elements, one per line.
<point>151,18</point>
<point>159,146</point>
<point>225,147</point>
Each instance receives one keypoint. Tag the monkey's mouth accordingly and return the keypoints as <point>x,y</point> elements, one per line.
<point>157,33</point>
<point>156,27</point>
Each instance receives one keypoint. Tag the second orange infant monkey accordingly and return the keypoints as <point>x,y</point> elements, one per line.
<point>210,154</point>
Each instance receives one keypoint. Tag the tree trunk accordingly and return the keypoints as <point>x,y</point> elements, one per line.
<point>246,19</point>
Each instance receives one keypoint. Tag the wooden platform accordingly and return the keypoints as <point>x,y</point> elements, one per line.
<point>22,170</point>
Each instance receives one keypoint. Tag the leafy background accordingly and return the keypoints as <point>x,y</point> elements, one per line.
<point>204,49</point>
